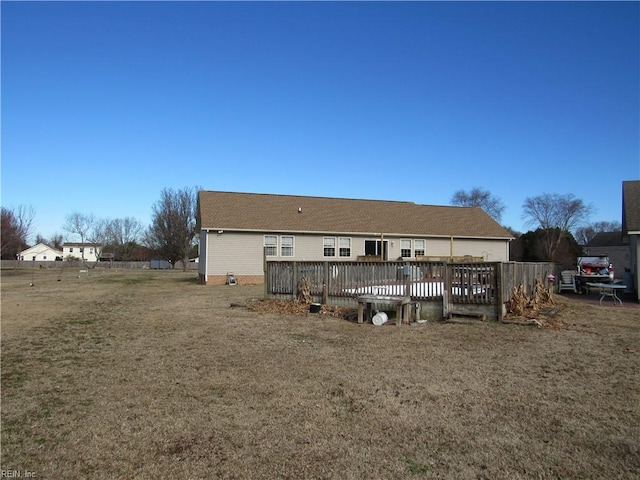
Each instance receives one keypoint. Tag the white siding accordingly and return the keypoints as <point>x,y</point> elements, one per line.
<point>242,252</point>
<point>438,247</point>
<point>202,253</point>
<point>40,253</point>
<point>89,252</point>
<point>308,247</point>
<point>490,250</point>
<point>312,248</point>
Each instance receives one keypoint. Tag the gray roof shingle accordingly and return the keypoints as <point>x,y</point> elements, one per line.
<point>292,213</point>
<point>608,239</point>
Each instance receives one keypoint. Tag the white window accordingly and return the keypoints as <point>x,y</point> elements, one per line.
<point>286,246</point>
<point>405,248</point>
<point>418,247</point>
<point>345,246</point>
<point>329,244</point>
<point>70,249</point>
<point>271,245</point>
<point>81,249</point>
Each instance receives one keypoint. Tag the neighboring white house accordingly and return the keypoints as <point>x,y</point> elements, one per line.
<point>631,227</point>
<point>237,230</point>
<point>76,250</point>
<point>40,253</point>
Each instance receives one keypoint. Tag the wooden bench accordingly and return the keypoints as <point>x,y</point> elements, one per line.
<point>403,307</point>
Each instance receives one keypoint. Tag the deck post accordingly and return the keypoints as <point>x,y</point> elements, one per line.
<point>265,274</point>
<point>325,283</point>
<point>446,290</point>
<point>294,279</point>
<point>499,300</point>
<point>406,271</point>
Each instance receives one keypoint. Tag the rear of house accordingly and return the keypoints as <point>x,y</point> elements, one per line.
<point>239,231</point>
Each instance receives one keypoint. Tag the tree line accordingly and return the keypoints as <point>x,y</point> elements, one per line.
<point>171,235</point>
<point>559,223</point>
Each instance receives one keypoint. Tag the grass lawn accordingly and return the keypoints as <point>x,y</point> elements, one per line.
<point>146,374</point>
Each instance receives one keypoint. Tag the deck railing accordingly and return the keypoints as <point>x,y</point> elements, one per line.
<point>479,283</point>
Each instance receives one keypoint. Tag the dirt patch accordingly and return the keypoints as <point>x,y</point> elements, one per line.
<point>150,375</point>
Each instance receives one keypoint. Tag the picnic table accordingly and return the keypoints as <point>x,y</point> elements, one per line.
<point>608,290</point>
<point>403,306</point>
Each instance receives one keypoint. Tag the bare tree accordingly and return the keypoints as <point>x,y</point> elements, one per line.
<point>123,235</point>
<point>173,225</point>
<point>124,230</point>
<point>40,239</point>
<point>99,236</point>
<point>479,198</point>
<point>80,225</point>
<point>16,226</point>
<point>556,215</point>
<point>585,234</point>
<point>94,231</point>
<point>56,241</point>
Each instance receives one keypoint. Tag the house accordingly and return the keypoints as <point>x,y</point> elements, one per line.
<point>239,231</point>
<point>79,251</point>
<point>613,245</point>
<point>40,253</point>
<point>631,227</point>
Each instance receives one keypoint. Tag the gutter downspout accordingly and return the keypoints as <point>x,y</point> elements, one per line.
<point>451,249</point>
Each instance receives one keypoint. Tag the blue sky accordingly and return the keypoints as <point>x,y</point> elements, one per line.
<point>104,104</point>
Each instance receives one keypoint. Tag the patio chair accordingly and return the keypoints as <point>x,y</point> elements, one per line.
<point>567,281</point>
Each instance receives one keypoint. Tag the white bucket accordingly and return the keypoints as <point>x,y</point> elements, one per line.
<point>379,318</point>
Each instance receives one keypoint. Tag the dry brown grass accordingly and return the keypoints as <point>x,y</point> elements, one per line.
<point>150,375</point>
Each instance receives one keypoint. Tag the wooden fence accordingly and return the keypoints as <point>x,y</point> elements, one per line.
<point>459,286</point>
<point>28,264</point>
